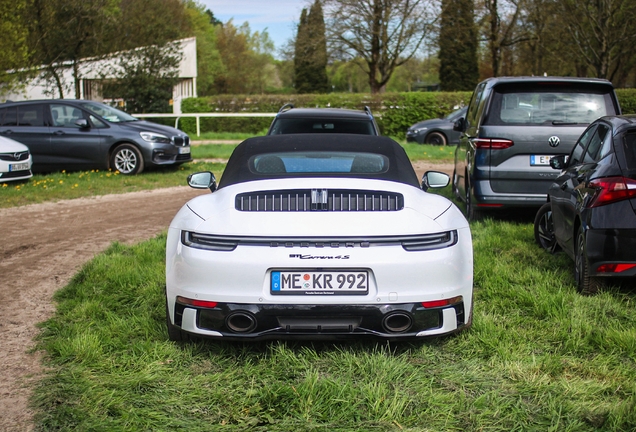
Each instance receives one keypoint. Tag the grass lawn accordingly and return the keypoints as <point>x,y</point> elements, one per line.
<point>538,357</point>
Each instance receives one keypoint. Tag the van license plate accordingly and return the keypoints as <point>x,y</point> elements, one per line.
<point>540,160</point>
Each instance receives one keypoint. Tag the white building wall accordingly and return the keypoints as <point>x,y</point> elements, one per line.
<point>90,73</point>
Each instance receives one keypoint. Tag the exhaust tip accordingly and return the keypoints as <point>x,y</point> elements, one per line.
<point>241,322</point>
<point>397,322</point>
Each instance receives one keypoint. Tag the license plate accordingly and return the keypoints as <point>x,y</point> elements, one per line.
<point>320,282</point>
<point>540,160</point>
<point>184,150</point>
<point>19,166</point>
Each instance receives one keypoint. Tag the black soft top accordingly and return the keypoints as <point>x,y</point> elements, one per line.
<point>399,168</point>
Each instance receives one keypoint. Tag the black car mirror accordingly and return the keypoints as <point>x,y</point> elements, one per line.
<point>202,180</point>
<point>434,179</point>
<point>559,162</point>
<point>82,123</point>
<point>460,125</point>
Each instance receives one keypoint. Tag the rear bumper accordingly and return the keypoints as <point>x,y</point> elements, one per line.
<point>486,197</point>
<point>611,246</point>
<point>233,321</point>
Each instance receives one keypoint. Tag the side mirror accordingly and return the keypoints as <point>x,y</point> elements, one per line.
<point>559,162</point>
<point>202,180</point>
<point>460,125</point>
<point>82,123</point>
<point>434,179</point>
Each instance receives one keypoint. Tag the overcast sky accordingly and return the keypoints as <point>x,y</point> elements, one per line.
<point>280,17</point>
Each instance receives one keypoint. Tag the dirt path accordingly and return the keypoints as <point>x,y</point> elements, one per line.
<point>41,248</point>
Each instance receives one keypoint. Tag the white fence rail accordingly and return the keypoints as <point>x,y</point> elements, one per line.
<point>198,116</point>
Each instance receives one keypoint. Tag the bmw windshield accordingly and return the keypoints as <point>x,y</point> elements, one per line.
<point>109,113</point>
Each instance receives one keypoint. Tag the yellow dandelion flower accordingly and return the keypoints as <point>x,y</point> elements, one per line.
<point>75,185</point>
<point>61,181</point>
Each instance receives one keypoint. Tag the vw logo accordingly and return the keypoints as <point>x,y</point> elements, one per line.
<point>554,141</point>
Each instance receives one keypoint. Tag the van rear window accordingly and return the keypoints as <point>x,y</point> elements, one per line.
<point>548,107</point>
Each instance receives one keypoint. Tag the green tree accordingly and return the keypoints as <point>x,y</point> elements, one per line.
<point>603,32</point>
<point>147,76</point>
<point>14,52</point>
<point>209,62</point>
<point>384,33</point>
<point>247,61</point>
<point>501,30</point>
<point>310,60</point>
<point>458,46</point>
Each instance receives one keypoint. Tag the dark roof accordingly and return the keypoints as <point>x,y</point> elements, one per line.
<point>400,167</point>
<point>547,79</point>
<point>37,101</point>
<point>620,122</point>
<point>323,113</point>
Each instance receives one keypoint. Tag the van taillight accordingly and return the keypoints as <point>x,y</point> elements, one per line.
<point>611,189</point>
<point>492,143</point>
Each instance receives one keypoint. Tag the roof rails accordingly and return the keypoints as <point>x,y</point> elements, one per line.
<point>286,107</point>
<point>368,110</point>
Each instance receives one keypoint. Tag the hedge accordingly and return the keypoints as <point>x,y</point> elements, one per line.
<point>394,112</point>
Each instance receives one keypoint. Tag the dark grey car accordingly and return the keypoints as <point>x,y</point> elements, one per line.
<point>290,120</point>
<point>513,127</point>
<point>78,134</point>
<point>436,131</point>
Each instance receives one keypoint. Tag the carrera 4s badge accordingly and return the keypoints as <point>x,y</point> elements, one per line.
<point>322,257</point>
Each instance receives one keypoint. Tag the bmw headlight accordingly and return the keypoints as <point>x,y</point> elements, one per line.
<point>154,137</point>
<point>418,130</point>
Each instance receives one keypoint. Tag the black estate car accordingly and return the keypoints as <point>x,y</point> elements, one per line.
<point>591,209</point>
<point>67,134</point>
<point>290,120</point>
<point>513,126</point>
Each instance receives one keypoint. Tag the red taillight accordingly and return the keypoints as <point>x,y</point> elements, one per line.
<point>614,268</point>
<point>492,143</point>
<point>612,189</point>
<point>197,303</point>
<point>442,303</point>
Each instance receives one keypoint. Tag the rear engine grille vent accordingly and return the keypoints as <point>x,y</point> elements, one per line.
<point>339,200</point>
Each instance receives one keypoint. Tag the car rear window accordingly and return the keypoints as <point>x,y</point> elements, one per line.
<point>315,162</point>
<point>548,106</point>
<point>629,142</point>
<point>302,126</point>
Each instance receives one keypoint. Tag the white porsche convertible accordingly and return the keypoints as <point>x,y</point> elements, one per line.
<point>318,236</point>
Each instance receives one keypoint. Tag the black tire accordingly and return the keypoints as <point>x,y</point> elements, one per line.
<point>544,229</point>
<point>435,138</point>
<point>454,186</point>
<point>472,213</point>
<point>585,284</point>
<point>127,159</point>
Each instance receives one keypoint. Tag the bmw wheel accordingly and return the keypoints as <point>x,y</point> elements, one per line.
<point>544,229</point>
<point>127,159</point>
<point>435,138</point>
<point>585,284</point>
